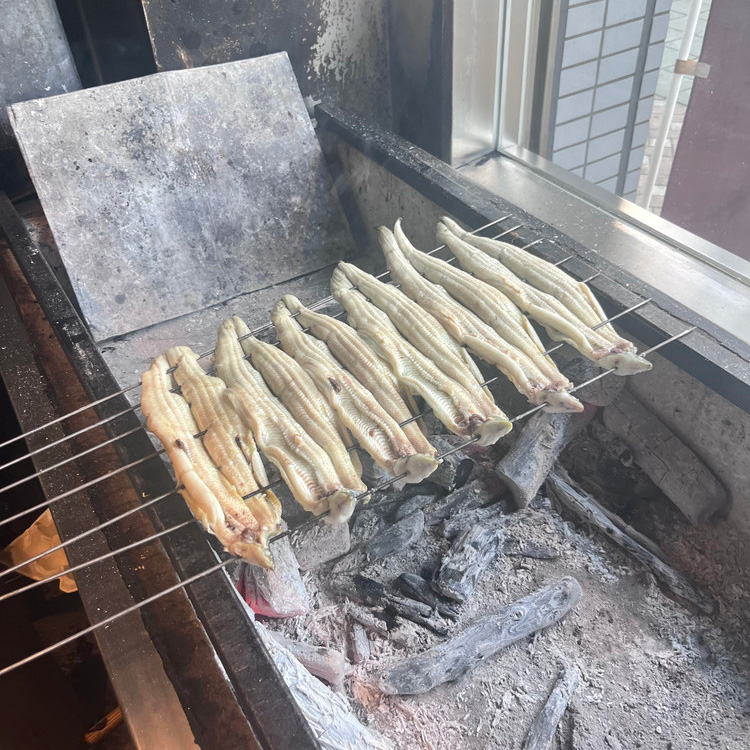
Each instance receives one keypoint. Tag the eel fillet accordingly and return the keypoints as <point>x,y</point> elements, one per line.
<point>211,497</point>
<point>420,328</point>
<point>377,432</point>
<point>455,406</point>
<point>567,309</point>
<point>351,350</point>
<point>302,463</point>
<point>471,331</point>
<point>296,390</point>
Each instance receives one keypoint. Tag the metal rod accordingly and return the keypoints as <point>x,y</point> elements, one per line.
<point>423,413</point>
<point>670,105</point>
<point>272,484</point>
<point>219,565</point>
<point>86,533</point>
<point>65,438</point>
<point>69,459</point>
<point>85,485</point>
<point>95,560</point>
<point>202,355</point>
<point>69,414</point>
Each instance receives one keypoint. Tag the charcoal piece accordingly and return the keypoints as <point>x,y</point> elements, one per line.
<point>377,625</point>
<point>561,488</point>
<point>327,663</point>
<point>678,472</point>
<point>466,561</point>
<point>396,538</point>
<point>416,587</point>
<point>516,548</point>
<point>278,592</point>
<point>358,643</point>
<point>455,469</point>
<point>321,543</point>
<point>541,736</point>
<point>418,613</point>
<point>526,465</point>
<point>469,496</point>
<point>458,523</point>
<point>486,636</point>
<point>413,504</point>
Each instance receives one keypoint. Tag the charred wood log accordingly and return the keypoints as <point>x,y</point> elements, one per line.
<point>526,465</point>
<point>417,612</point>
<point>278,592</point>
<point>469,496</point>
<point>541,736</point>
<point>454,470</point>
<point>415,587</point>
<point>412,505</point>
<point>396,538</point>
<point>466,561</point>
<point>486,636</point>
<point>331,719</point>
<point>680,474</point>
<point>459,522</point>
<point>568,493</point>
<point>376,625</point>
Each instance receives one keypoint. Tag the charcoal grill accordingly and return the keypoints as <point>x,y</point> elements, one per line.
<point>169,600</point>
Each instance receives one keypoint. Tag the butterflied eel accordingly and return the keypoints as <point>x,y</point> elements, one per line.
<point>471,331</point>
<point>377,432</point>
<point>558,320</point>
<point>351,350</point>
<point>227,439</point>
<point>490,304</point>
<point>302,463</point>
<point>454,405</point>
<point>211,497</point>
<point>296,390</point>
<point>420,328</point>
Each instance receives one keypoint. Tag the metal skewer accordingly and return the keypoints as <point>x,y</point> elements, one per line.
<point>41,505</point>
<point>202,355</point>
<point>271,485</point>
<point>220,565</point>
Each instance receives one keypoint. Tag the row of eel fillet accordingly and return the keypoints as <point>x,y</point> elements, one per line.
<point>508,346</point>
<point>374,428</point>
<point>295,389</point>
<point>565,307</point>
<point>355,355</point>
<point>214,495</point>
<point>303,464</point>
<point>462,406</point>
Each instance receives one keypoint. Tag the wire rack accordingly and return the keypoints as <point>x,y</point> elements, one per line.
<point>13,570</point>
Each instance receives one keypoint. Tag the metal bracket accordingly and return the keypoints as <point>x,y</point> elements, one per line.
<point>694,68</point>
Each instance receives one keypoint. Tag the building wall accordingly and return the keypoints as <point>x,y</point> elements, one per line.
<point>608,58</point>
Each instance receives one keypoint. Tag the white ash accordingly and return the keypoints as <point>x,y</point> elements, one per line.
<point>654,675</point>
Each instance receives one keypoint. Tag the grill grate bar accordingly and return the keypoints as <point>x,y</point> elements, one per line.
<point>220,565</point>
<point>277,481</point>
<point>160,451</point>
<point>203,355</point>
<point>258,330</point>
